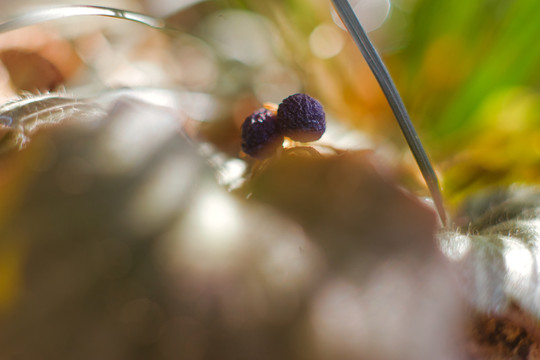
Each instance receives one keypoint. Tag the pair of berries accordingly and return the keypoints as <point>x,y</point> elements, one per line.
<point>299,117</point>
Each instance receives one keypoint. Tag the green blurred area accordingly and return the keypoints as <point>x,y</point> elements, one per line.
<point>473,72</point>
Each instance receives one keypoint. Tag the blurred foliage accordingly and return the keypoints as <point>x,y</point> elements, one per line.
<point>472,85</point>
<point>466,70</point>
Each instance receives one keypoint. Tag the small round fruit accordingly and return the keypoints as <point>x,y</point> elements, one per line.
<point>260,134</point>
<point>301,118</point>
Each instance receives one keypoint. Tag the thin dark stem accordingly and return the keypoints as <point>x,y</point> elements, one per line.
<point>389,89</point>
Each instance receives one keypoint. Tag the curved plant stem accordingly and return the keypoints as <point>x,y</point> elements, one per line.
<point>389,89</point>
<point>59,12</point>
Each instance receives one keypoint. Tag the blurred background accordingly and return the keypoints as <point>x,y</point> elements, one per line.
<point>126,181</point>
<point>467,72</point>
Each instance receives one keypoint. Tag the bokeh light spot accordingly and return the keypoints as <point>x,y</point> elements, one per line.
<point>326,41</point>
<point>371,13</point>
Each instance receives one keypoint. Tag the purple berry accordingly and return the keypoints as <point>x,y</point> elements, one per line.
<point>301,118</point>
<point>260,134</point>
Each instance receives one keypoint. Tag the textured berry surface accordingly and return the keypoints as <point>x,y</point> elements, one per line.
<point>301,118</point>
<point>260,134</point>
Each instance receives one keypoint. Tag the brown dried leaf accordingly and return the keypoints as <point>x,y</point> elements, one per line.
<point>379,244</point>
<point>132,251</point>
<point>37,59</point>
<point>349,197</point>
<point>29,71</point>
